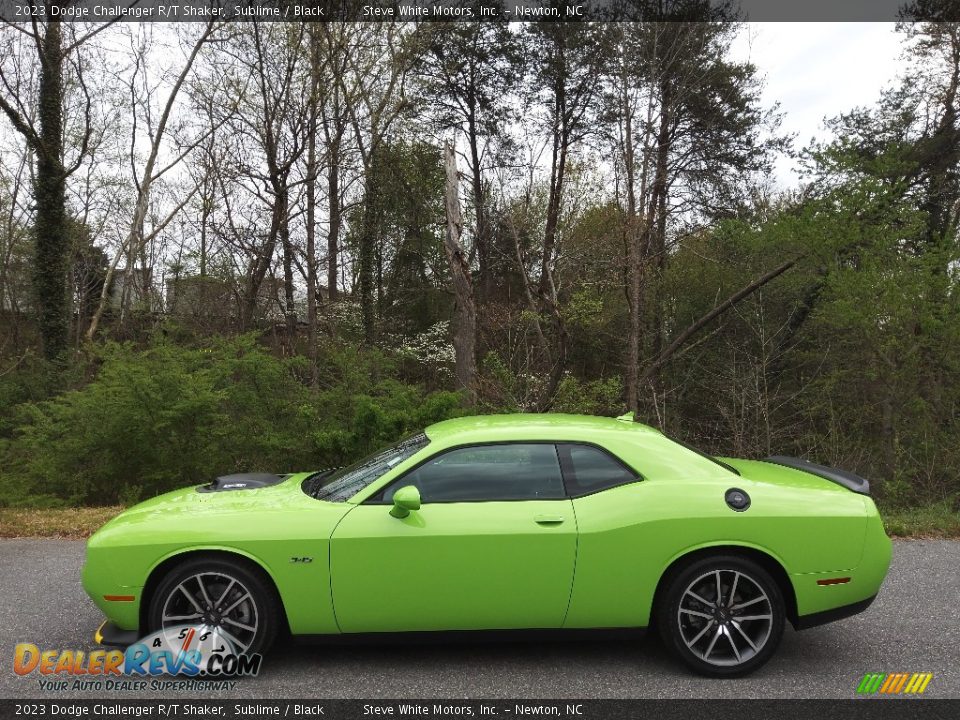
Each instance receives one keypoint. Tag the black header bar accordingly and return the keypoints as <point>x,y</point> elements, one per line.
<point>55,708</point>
<point>478,10</point>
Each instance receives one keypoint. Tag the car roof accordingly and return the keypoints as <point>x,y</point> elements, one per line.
<point>531,426</point>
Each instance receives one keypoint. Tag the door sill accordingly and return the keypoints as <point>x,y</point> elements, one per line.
<point>442,637</point>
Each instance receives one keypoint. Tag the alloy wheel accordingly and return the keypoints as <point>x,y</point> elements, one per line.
<point>218,603</point>
<point>725,617</point>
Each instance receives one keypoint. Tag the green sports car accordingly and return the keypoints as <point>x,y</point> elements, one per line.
<point>505,522</point>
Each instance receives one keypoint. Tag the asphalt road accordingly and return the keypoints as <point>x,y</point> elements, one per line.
<point>913,626</point>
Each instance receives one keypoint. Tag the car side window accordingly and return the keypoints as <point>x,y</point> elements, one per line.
<point>589,469</point>
<point>511,471</point>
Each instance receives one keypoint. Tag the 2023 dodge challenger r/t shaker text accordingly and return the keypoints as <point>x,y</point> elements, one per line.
<point>503,522</point>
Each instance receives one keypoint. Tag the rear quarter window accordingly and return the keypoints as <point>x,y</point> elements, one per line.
<point>589,469</point>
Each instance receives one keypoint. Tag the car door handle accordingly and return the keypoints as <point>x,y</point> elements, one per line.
<point>548,519</point>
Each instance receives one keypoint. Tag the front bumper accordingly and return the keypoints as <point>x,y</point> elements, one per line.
<point>119,603</point>
<point>113,636</point>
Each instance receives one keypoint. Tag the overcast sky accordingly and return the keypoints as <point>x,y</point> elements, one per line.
<point>818,70</point>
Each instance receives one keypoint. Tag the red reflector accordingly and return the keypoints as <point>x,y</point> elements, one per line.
<point>833,581</point>
<point>118,598</point>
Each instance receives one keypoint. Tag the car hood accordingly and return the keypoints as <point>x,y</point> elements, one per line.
<point>216,495</point>
<point>200,510</point>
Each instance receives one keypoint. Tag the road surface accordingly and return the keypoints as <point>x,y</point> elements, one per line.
<point>913,626</point>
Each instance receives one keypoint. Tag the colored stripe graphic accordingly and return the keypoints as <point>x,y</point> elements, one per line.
<point>894,683</point>
<point>898,685</point>
<point>870,683</point>
<point>889,682</point>
<point>926,681</point>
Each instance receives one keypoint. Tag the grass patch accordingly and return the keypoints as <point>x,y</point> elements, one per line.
<point>58,522</point>
<point>930,521</point>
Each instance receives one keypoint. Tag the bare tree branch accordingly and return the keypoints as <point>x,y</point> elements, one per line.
<point>678,342</point>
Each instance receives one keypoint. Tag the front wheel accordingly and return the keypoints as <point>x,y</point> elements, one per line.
<point>723,616</point>
<point>221,596</point>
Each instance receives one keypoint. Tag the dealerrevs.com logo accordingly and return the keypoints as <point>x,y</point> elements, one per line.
<point>191,651</point>
<point>894,683</point>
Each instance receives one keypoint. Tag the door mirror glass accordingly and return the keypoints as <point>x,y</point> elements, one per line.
<point>405,499</point>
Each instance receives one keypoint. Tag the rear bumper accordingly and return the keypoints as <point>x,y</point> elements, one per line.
<point>113,636</point>
<point>827,616</point>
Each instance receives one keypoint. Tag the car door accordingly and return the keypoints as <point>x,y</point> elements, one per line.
<point>492,546</point>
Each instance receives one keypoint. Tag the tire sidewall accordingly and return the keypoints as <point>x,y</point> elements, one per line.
<point>669,624</point>
<point>263,596</point>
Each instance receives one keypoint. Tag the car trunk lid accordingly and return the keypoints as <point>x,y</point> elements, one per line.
<point>796,472</point>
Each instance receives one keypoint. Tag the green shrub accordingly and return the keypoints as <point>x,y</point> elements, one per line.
<point>155,419</point>
<point>596,397</point>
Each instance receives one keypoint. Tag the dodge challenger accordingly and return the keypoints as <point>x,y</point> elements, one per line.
<point>507,523</point>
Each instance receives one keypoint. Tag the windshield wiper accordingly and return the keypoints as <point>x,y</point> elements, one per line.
<point>312,485</point>
<point>342,492</point>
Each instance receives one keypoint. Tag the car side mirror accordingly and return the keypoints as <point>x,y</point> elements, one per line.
<point>405,499</point>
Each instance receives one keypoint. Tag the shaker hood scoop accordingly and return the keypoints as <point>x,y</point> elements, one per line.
<point>242,481</point>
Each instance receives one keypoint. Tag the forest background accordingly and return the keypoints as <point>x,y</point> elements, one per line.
<point>272,246</point>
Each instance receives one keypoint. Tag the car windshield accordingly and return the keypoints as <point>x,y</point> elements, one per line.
<point>344,483</point>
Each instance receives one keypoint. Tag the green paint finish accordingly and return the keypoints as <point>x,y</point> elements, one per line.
<point>591,561</point>
<point>268,526</point>
<point>454,566</point>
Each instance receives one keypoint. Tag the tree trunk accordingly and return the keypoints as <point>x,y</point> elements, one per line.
<point>312,170</point>
<point>366,261</point>
<point>465,313</point>
<point>333,128</point>
<point>205,213</point>
<point>546,288</point>
<point>889,432</point>
<point>259,267</point>
<point>333,234</point>
<point>289,310</point>
<point>52,234</point>
<point>634,257</point>
<point>940,204</point>
<point>658,241</point>
<point>482,238</point>
<point>545,401</point>
<point>554,201</point>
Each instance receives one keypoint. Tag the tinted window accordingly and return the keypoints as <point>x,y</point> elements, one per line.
<point>512,471</point>
<point>590,469</point>
<point>347,482</point>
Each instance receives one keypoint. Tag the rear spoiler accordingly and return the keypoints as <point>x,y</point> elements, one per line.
<point>841,477</point>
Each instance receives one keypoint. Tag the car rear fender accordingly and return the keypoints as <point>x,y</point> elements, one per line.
<point>764,557</point>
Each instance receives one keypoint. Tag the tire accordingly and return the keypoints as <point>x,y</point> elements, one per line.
<point>242,601</point>
<point>727,639</point>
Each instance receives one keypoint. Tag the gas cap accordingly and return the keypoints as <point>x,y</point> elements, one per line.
<point>737,499</point>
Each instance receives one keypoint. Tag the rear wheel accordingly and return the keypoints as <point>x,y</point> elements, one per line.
<point>723,616</point>
<point>221,596</point>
